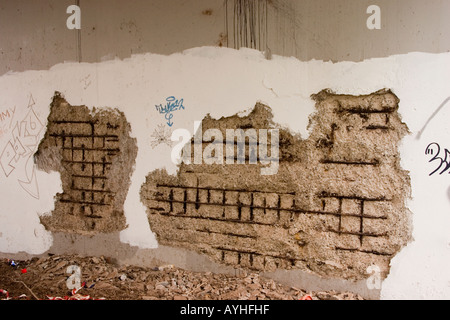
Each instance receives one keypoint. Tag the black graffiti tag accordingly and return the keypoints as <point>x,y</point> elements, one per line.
<point>442,158</point>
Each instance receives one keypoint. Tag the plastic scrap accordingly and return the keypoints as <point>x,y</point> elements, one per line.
<point>5,293</point>
<point>12,263</point>
<point>306,297</point>
<point>74,295</point>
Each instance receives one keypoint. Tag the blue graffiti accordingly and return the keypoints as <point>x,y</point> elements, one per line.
<point>171,106</point>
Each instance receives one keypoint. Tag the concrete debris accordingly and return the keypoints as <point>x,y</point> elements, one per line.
<point>47,277</point>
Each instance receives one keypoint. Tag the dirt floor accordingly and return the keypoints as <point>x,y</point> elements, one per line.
<point>52,278</point>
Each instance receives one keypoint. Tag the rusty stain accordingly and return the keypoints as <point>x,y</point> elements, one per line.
<point>207,12</point>
<point>223,40</point>
<point>248,23</point>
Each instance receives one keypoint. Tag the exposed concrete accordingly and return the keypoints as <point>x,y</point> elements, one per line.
<point>95,155</point>
<point>336,206</point>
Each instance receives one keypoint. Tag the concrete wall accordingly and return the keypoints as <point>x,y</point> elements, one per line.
<point>34,34</point>
<point>221,82</point>
<point>337,31</point>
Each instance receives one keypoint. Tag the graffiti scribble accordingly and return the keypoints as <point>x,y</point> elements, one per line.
<point>19,151</point>
<point>442,158</point>
<point>171,106</point>
<point>161,135</point>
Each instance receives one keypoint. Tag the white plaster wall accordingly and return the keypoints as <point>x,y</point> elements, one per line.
<point>223,82</point>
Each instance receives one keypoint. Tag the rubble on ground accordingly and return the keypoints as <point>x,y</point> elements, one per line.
<point>102,278</point>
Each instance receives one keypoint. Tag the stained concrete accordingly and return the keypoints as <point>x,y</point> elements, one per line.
<point>35,36</point>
